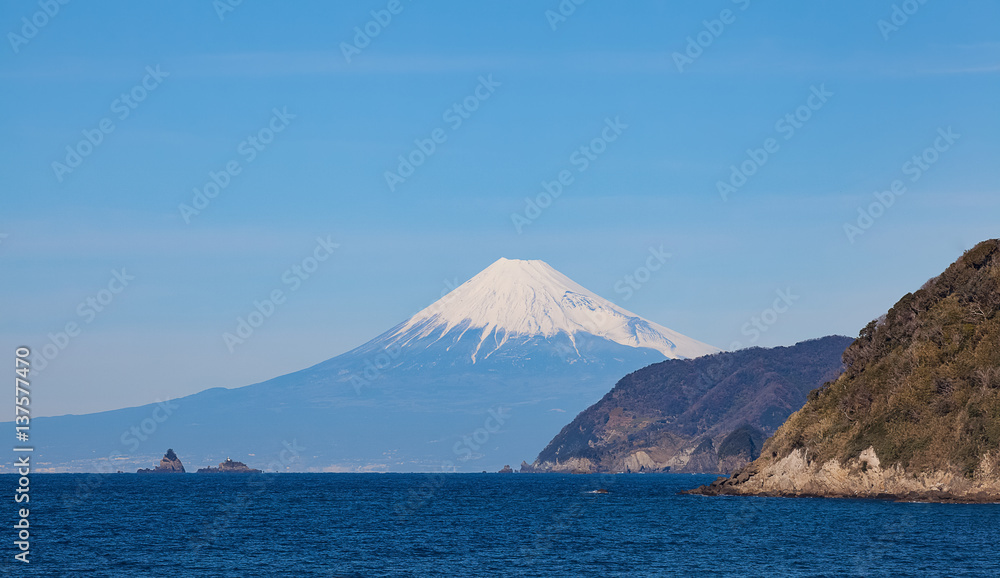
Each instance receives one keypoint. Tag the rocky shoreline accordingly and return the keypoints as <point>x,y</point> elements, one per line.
<point>936,497</point>
<point>930,497</point>
<point>861,478</point>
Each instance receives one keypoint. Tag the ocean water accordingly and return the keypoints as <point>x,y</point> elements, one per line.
<point>478,525</point>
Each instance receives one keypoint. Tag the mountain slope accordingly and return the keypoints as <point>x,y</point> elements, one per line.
<point>672,416</point>
<point>478,379</point>
<point>916,414</point>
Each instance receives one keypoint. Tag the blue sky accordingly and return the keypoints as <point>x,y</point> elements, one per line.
<point>551,92</point>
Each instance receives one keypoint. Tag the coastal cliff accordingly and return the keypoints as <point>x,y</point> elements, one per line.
<point>916,414</point>
<point>705,415</point>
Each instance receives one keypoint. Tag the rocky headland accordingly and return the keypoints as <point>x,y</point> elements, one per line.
<point>916,414</point>
<point>705,415</point>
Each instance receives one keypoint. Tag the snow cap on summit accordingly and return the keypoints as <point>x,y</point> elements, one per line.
<point>519,298</point>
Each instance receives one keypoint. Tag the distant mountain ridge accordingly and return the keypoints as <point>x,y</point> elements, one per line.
<point>916,414</point>
<point>481,378</point>
<point>709,414</point>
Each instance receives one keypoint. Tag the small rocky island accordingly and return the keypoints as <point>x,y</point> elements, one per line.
<point>170,464</point>
<point>229,467</point>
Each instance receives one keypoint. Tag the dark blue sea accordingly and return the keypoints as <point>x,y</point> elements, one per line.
<point>478,525</point>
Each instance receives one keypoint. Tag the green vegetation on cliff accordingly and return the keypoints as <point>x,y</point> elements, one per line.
<point>921,388</point>
<point>922,384</point>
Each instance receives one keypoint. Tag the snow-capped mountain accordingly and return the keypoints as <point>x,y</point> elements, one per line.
<point>484,376</point>
<point>514,300</point>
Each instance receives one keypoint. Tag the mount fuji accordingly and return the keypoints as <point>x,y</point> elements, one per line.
<point>482,377</point>
<point>516,314</point>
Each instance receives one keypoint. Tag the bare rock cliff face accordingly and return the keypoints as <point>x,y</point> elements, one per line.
<point>863,477</point>
<point>916,414</point>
